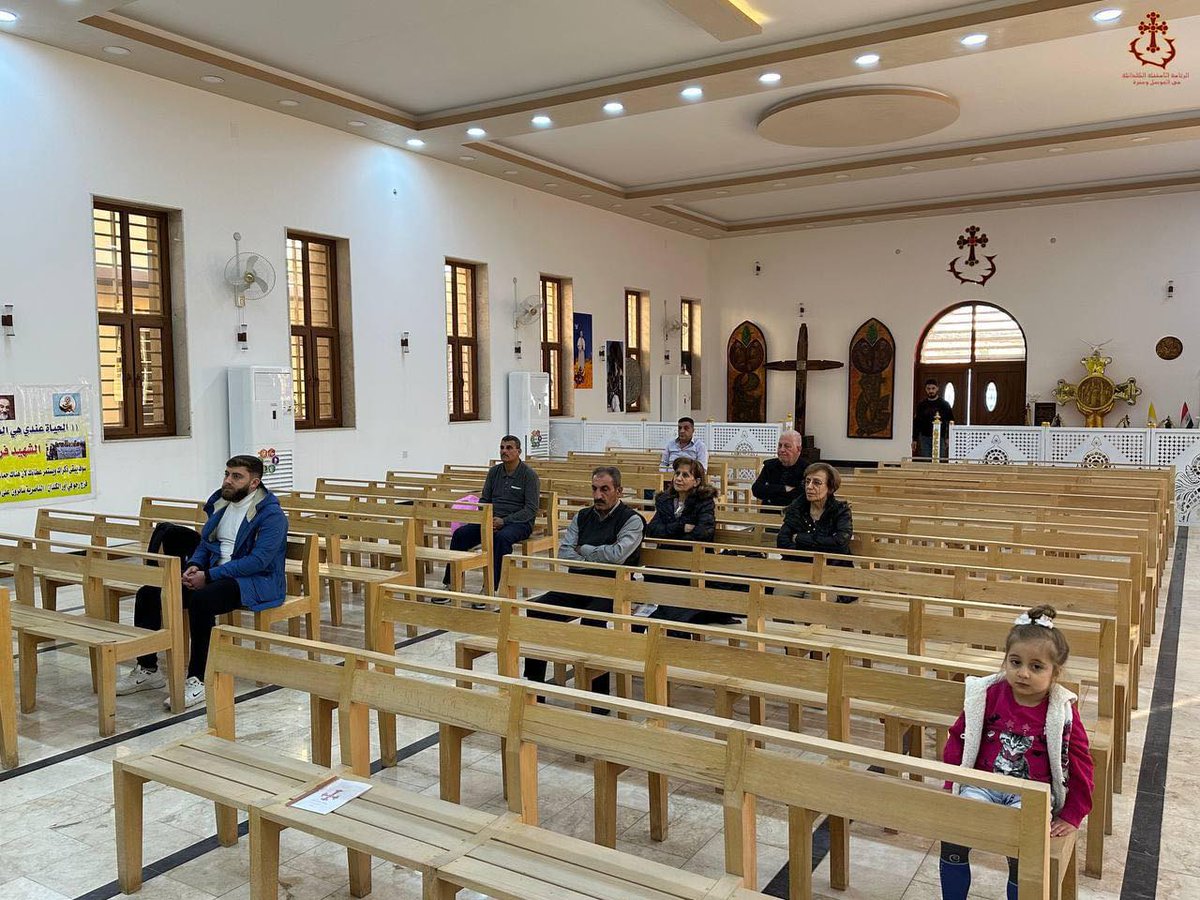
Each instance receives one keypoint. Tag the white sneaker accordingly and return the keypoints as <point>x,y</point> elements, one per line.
<point>140,679</point>
<point>193,693</point>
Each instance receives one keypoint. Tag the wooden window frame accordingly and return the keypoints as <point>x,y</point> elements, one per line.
<point>689,353</point>
<point>310,333</point>
<point>633,352</point>
<point>456,342</point>
<point>129,322</point>
<point>553,344</point>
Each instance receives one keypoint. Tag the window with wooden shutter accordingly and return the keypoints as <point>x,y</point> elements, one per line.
<point>315,340</point>
<point>637,323</point>
<point>553,361</point>
<point>133,303</point>
<point>462,342</point>
<point>689,345</point>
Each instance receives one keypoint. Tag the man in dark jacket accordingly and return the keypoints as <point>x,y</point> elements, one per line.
<point>238,564</point>
<point>608,531</point>
<point>922,433</point>
<point>782,479</point>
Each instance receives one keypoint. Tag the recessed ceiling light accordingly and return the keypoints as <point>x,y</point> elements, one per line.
<point>867,59</point>
<point>541,121</point>
<point>212,79</point>
<point>697,228</point>
<point>974,40</point>
<point>692,93</point>
<point>770,78</point>
<point>467,158</point>
<point>1140,139</point>
<point>1087,198</point>
<point>808,226</point>
<point>415,142</point>
<point>780,184</point>
<point>1106,15</point>
<point>616,206</point>
<point>908,168</point>
<point>289,102</point>
<point>668,199</point>
<point>7,17</point>
<point>584,196</point>
<point>1026,203</point>
<point>1152,191</point>
<point>722,192</point>
<point>551,184</point>
<point>612,107</point>
<point>979,159</point>
<point>117,51</point>
<point>842,177</point>
<point>1056,149</point>
<point>860,221</point>
<point>476,132</point>
<point>510,171</point>
<point>357,123</point>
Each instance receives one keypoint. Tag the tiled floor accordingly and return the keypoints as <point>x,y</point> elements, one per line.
<point>56,826</point>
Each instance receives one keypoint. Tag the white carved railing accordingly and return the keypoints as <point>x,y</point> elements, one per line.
<point>591,436</point>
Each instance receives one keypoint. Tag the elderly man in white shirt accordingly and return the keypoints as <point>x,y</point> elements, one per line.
<point>684,445</point>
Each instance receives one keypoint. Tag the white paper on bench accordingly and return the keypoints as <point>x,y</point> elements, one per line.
<point>330,796</point>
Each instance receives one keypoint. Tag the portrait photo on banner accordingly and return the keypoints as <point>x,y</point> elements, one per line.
<point>582,349</point>
<point>614,382</point>
<point>45,430</point>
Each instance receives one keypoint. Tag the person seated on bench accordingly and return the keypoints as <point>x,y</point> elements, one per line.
<point>782,479</point>
<point>514,491</point>
<point>819,520</point>
<point>684,446</point>
<point>608,531</point>
<point>1021,722</point>
<point>239,563</point>
<point>685,511</point>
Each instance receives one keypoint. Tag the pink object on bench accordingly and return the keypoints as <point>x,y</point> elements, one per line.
<point>468,502</point>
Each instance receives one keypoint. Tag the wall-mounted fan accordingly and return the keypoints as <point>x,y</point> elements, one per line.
<point>252,277</point>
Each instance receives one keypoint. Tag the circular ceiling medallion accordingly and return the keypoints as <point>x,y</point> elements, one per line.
<point>858,116</point>
<point>1169,347</point>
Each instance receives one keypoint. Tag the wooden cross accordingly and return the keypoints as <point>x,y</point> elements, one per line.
<point>802,365</point>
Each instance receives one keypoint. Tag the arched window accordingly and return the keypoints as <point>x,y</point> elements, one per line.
<point>976,353</point>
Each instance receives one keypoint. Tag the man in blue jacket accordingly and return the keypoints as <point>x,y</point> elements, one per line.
<point>238,564</point>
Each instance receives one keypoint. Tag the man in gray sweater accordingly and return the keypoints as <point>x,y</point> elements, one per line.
<point>513,489</point>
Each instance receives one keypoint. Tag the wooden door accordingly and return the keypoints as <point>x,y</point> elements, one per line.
<point>955,376</point>
<point>998,393</point>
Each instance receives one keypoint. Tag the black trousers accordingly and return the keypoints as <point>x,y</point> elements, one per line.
<point>203,606</point>
<point>535,669</point>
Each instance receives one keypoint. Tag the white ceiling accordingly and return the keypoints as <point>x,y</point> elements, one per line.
<point>413,67</point>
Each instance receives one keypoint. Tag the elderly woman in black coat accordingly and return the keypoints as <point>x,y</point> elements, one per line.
<point>819,521</point>
<point>685,511</point>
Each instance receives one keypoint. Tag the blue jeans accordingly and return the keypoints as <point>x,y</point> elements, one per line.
<point>467,537</point>
<point>925,447</point>
<point>954,864</point>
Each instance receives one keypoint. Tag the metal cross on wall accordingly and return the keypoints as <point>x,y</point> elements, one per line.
<point>972,239</point>
<point>802,365</point>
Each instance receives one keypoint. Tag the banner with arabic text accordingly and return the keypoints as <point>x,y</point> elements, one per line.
<point>45,442</point>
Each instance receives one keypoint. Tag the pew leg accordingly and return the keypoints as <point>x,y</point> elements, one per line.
<point>320,714</point>
<point>839,853</point>
<point>94,663</point>
<point>176,673</point>
<point>127,809</point>
<point>227,825</point>
<point>27,645</point>
<point>1093,864</point>
<point>560,674</point>
<point>795,717</point>
<point>359,864</point>
<point>605,805</point>
<point>387,739</point>
<point>1120,730</point>
<point>49,594</point>
<point>335,602</point>
<point>659,794</point>
<point>264,858</point>
<point>433,888</point>
<point>8,719</point>
<point>893,740</point>
<point>106,693</point>
<point>450,743</point>
<point>1068,887</point>
<point>801,823</point>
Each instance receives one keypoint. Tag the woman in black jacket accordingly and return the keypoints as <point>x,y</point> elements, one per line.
<point>685,511</point>
<point>819,521</point>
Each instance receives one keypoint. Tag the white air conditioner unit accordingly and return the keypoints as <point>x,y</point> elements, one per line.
<point>262,421</point>
<point>529,412</point>
<point>676,397</point>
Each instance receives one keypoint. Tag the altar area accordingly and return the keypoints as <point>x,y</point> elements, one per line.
<point>1091,447</point>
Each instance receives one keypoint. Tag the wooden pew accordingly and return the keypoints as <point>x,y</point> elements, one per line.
<point>747,762</point>
<point>8,703</point>
<point>108,643</point>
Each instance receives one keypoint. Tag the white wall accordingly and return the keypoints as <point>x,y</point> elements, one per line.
<point>1090,271</point>
<point>73,128</point>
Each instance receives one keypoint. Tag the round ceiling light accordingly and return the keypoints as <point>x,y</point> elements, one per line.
<point>415,142</point>
<point>974,40</point>
<point>770,78</point>
<point>692,93</point>
<point>541,121</point>
<point>510,172</point>
<point>289,103</point>
<point>614,107</point>
<point>7,18</point>
<point>476,132</point>
<point>467,158</point>
<point>212,79</point>
<point>1056,149</point>
<point>357,123</point>
<point>1106,15</point>
<point>117,51</point>
<point>867,59</point>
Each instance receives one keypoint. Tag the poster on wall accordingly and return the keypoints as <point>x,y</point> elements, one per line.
<point>872,381</point>
<point>583,351</point>
<point>614,383</point>
<point>45,442</point>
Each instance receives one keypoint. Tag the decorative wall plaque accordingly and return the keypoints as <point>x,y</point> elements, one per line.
<point>872,381</point>
<point>1169,347</point>
<point>746,374</point>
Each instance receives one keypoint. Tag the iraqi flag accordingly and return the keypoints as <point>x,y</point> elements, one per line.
<point>1185,417</point>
